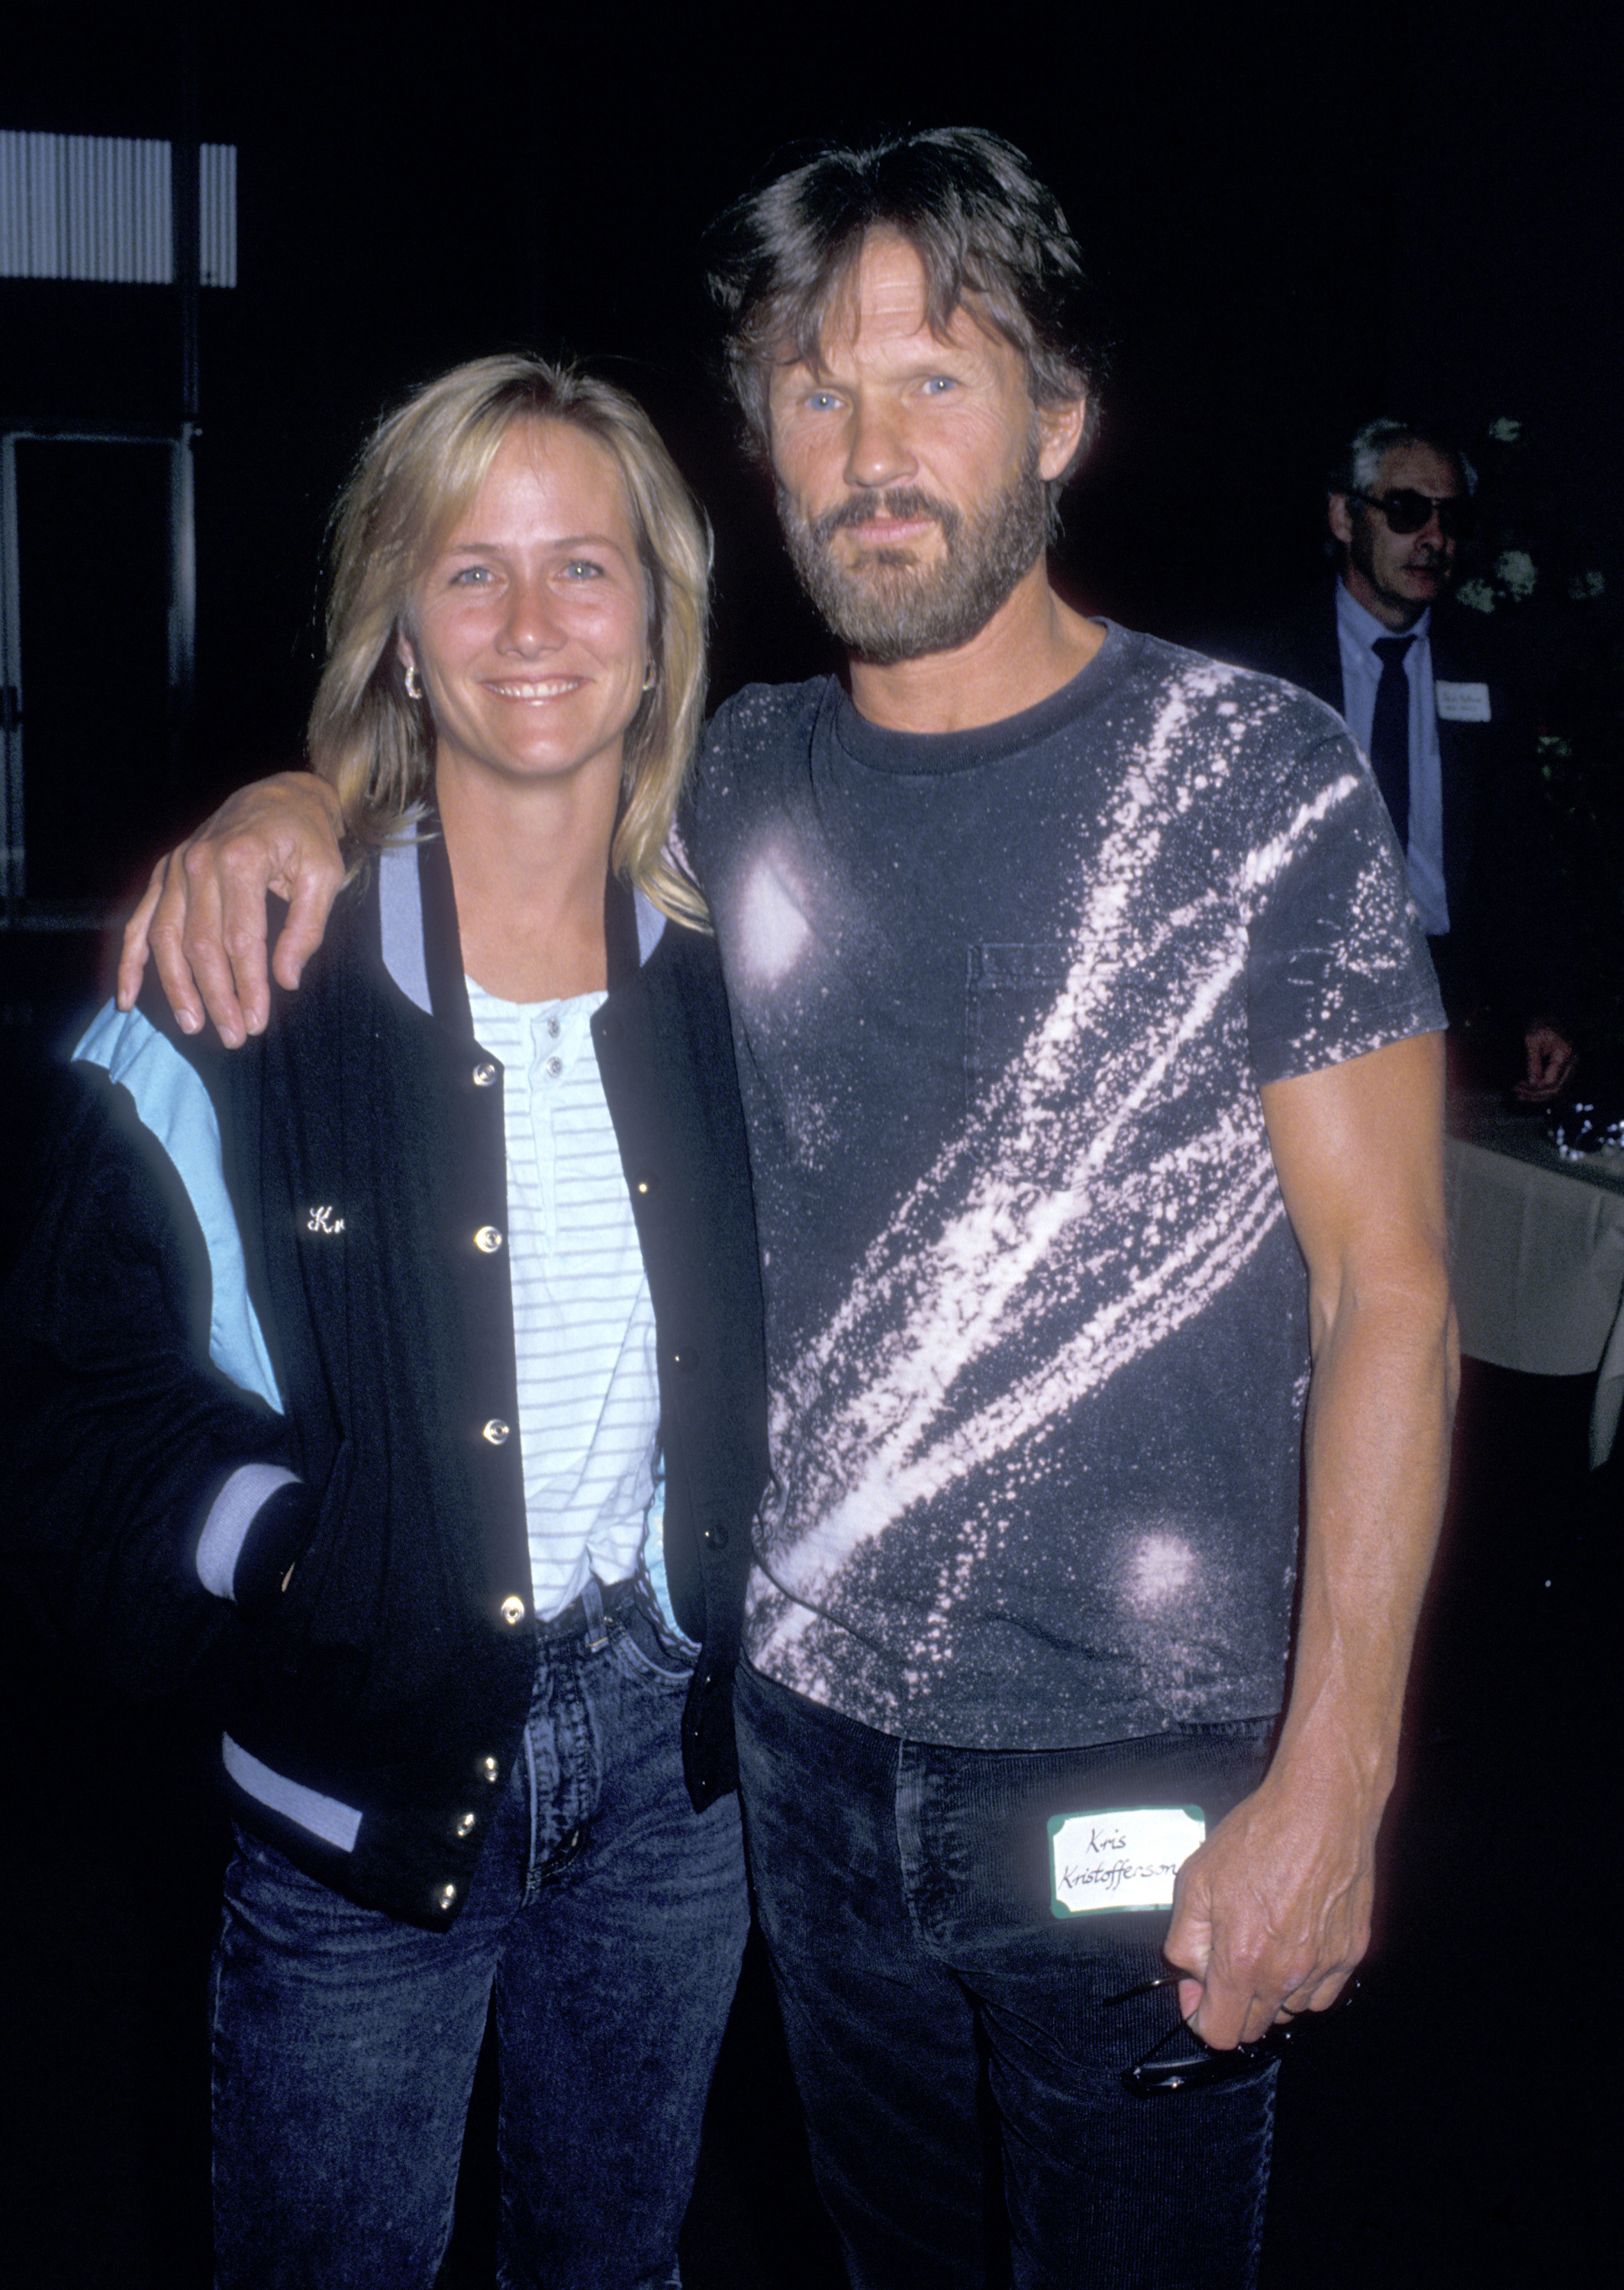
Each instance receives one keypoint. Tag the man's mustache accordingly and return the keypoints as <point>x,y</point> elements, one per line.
<point>901,501</point>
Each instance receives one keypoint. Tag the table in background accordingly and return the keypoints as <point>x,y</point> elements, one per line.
<point>1537,1254</point>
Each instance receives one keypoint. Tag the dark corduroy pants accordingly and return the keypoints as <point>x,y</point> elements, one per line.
<point>952,2038</point>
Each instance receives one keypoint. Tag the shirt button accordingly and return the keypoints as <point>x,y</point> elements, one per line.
<point>466,1822</point>
<point>553,1068</point>
<point>489,1769</point>
<point>497,1432</point>
<point>512,1611</point>
<point>446,1894</point>
<point>649,1184</point>
<point>553,1028</point>
<point>487,1239</point>
<point>484,1074</point>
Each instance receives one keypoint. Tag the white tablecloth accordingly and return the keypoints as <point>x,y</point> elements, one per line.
<point>1536,1256</point>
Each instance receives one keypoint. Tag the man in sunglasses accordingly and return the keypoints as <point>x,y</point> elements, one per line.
<point>1430,710</point>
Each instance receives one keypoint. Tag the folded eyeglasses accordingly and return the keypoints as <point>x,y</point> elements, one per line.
<point>1180,2061</point>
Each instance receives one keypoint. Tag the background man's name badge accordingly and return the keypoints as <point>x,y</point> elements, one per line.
<point>1124,1860</point>
<point>1461,703</point>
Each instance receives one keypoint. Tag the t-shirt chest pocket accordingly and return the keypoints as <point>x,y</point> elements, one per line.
<point>1010,990</point>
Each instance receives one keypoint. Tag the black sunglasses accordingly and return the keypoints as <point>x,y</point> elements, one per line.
<point>1180,2061</point>
<point>1407,511</point>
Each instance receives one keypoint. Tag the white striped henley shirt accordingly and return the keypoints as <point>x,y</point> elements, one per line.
<point>583,1325</point>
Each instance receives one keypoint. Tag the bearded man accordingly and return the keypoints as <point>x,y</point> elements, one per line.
<point>1077,1006</point>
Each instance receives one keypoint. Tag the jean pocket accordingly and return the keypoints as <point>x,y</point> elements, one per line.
<point>645,1649</point>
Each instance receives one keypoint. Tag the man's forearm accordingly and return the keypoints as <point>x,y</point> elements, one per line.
<point>1277,1909</point>
<point>1379,1412</point>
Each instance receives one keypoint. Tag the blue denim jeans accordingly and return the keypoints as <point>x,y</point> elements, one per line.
<point>606,1920</point>
<point>957,2055</point>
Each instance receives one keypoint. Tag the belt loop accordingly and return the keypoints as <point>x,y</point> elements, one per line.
<point>592,1602</point>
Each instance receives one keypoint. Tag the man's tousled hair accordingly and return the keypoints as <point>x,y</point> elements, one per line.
<point>986,231</point>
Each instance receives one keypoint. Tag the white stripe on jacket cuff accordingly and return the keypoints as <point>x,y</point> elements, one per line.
<point>232,1513</point>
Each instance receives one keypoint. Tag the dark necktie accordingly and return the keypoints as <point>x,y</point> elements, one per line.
<point>1390,733</point>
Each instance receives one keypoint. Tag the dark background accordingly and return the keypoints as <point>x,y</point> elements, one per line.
<point>1296,226</point>
<point>1301,220</point>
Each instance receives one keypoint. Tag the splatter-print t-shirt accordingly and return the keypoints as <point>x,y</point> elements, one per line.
<point>1037,1322</point>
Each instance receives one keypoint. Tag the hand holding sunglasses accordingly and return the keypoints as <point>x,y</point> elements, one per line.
<point>1180,2061</point>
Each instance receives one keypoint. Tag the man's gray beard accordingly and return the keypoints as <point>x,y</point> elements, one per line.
<point>890,610</point>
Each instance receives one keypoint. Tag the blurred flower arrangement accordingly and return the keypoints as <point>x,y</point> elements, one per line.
<point>1532,573</point>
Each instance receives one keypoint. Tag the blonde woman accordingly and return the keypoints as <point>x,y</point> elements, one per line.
<point>397,1388</point>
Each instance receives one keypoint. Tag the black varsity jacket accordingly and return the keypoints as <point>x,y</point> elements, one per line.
<point>277,1277</point>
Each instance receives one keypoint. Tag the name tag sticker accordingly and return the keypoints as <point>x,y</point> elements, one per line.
<point>1461,703</point>
<point>1124,1860</point>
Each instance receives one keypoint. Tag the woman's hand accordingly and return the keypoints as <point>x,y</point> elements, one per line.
<point>202,917</point>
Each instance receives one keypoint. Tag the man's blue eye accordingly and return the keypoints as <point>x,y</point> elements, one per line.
<point>939,382</point>
<point>821,400</point>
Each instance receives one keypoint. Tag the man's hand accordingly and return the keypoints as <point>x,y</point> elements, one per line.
<point>1272,1914</point>
<point>1274,1911</point>
<point>1550,1061</point>
<point>203,916</point>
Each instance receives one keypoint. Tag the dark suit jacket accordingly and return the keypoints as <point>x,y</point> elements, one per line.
<point>1507,935</point>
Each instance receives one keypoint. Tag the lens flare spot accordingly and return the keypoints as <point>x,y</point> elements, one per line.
<point>1160,1569</point>
<point>772,929</point>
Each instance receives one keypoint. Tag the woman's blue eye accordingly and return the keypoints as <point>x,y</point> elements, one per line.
<point>583,568</point>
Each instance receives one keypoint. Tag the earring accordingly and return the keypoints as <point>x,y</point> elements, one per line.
<point>648,677</point>
<point>414,690</point>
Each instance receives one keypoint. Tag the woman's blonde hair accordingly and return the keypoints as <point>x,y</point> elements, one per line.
<point>417,475</point>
